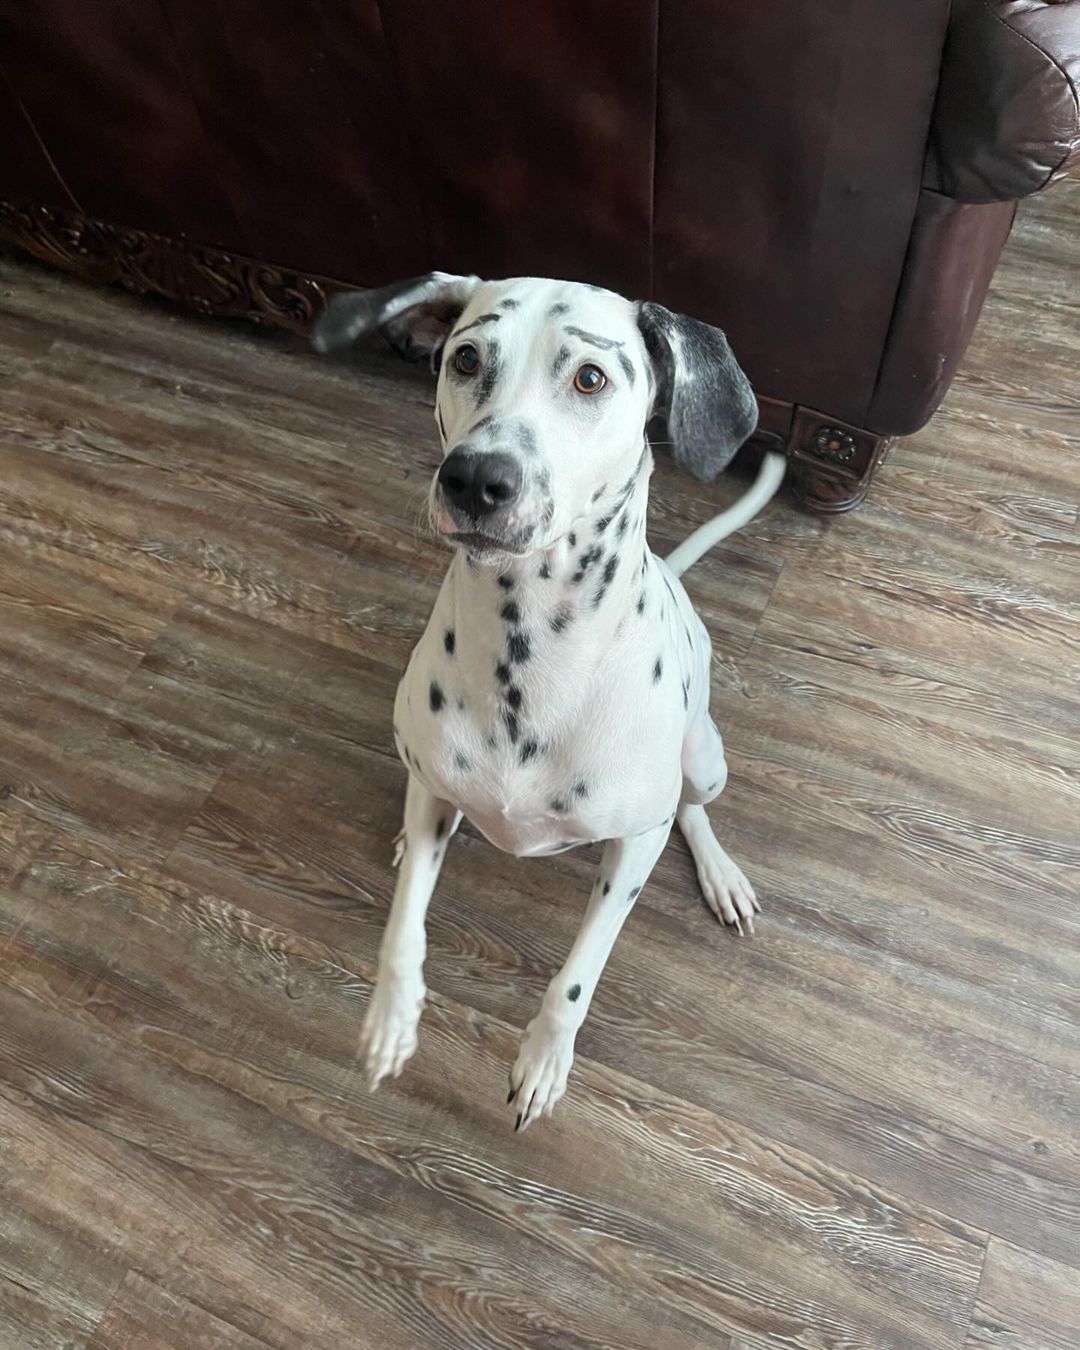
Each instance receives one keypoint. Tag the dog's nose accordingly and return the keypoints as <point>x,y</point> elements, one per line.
<point>479,482</point>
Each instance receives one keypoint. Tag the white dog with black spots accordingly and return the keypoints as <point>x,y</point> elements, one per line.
<point>560,692</point>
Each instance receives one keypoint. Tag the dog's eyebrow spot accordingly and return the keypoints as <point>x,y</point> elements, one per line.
<point>519,648</point>
<point>657,671</point>
<point>605,344</point>
<point>562,356</point>
<point>509,303</point>
<point>436,697</point>
<point>559,307</point>
<point>574,993</point>
<point>511,613</point>
<point>476,323</point>
<point>449,641</point>
<point>627,369</point>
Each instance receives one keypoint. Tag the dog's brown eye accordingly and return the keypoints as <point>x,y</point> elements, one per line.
<point>589,380</point>
<point>467,359</point>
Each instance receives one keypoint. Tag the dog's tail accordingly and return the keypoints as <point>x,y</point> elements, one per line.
<point>696,545</point>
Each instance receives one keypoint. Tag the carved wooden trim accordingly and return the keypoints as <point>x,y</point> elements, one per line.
<point>834,462</point>
<point>211,281</point>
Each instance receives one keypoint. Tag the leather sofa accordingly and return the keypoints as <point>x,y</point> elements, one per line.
<point>831,183</point>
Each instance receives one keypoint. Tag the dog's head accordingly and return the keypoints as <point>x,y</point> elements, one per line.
<point>544,391</point>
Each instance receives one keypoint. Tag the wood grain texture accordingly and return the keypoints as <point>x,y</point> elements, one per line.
<point>859,1130</point>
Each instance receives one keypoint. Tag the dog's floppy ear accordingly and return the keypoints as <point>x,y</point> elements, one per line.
<point>701,390</point>
<point>414,316</point>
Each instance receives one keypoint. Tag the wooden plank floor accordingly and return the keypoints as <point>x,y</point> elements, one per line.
<point>860,1129</point>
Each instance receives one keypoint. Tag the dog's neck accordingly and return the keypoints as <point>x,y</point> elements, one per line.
<point>581,588</point>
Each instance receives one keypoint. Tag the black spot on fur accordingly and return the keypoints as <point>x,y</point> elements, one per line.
<point>511,613</point>
<point>599,492</point>
<point>502,673</point>
<point>685,694</point>
<point>578,576</point>
<point>602,524</point>
<point>571,539</point>
<point>621,529</point>
<point>492,370</point>
<point>462,762</point>
<point>605,344</point>
<point>558,308</point>
<point>559,620</point>
<point>627,369</point>
<point>507,583</point>
<point>513,725</point>
<point>440,828</point>
<point>514,697</point>
<point>477,323</point>
<point>560,805</point>
<point>610,568</point>
<point>528,751</point>
<point>436,697</point>
<point>448,641</point>
<point>607,887</point>
<point>657,671</point>
<point>509,303</point>
<point>562,357</point>
<point>545,572</point>
<point>580,789</point>
<point>574,993</point>
<point>519,648</point>
<point>641,603</point>
<point>527,439</point>
<point>634,893</point>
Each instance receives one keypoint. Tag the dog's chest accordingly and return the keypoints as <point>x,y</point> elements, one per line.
<point>542,738</point>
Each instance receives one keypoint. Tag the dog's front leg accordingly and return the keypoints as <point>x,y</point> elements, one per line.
<point>389,1034</point>
<point>538,1079</point>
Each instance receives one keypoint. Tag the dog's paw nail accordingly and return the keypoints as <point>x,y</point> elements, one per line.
<point>511,1095</point>
<point>517,1125</point>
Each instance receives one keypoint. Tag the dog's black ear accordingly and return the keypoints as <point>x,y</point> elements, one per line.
<point>701,390</point>
<point>414,316</point>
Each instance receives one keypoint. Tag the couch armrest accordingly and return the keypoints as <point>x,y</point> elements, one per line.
<point>1007,118</point>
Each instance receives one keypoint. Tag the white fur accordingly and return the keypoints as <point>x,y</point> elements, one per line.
<point>572,707</point>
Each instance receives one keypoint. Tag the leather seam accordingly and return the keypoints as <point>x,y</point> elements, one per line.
<point>1049,57</point>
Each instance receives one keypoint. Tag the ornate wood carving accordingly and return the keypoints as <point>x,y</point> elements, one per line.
<point>834,462</point>
<point>209,280</point>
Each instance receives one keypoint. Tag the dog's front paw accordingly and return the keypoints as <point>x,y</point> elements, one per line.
<point>727,892</point>
<point>538,1079</point>
<point>388,1037</point>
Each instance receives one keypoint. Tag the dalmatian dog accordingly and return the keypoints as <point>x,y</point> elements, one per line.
<point>560,692</point>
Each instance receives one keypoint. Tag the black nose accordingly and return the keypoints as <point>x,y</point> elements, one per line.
<point>479,482</point>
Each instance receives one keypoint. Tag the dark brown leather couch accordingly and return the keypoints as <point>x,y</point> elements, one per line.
<point>830,182</point>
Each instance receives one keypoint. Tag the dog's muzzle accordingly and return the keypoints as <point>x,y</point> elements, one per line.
<point>481,491</point>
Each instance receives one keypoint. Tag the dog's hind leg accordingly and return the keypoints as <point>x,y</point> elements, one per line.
<point>727,892</point>
<point>389,1034</point>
